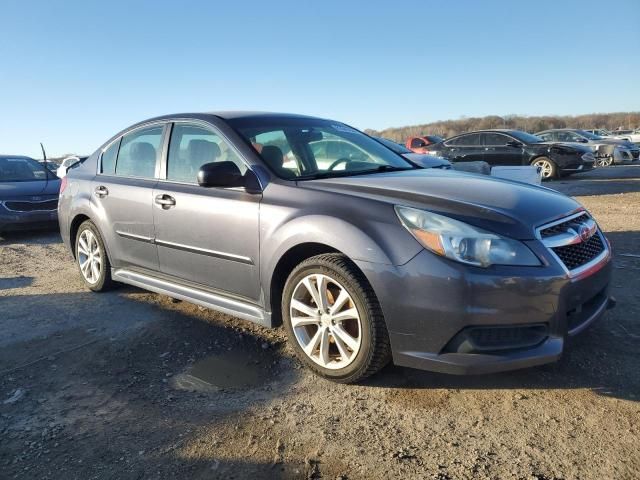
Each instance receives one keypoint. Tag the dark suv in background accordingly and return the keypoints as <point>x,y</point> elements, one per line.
<point>364,258</point>
<point>513,147</point>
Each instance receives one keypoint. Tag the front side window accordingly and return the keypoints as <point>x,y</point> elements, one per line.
<point>306,148</point>
<point>496,139</point>
<point>138,153</point>
<point>417,143</point>
<point>191,146</point>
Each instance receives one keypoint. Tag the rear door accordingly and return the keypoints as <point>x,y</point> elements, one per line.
<point>207,236</point>
<point>497,150</point>
<point>122,193</point>
<point>465,148</point>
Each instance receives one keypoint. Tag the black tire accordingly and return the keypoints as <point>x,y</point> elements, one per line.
<point>375,351</point>
<point>104,281</point>
<point>553,171</point>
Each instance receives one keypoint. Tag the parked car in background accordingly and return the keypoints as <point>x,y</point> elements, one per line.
<point>28,194</point>
<point>67,163</point>
<point>513,147</point>
<point>420,144</point>
<point>363,260</point>
<point>630,135</point>
<point>608,151</point>
<point>422,159</point>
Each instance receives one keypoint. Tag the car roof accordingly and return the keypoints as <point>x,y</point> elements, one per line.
<point>229,115</point>
<point>16,156</point>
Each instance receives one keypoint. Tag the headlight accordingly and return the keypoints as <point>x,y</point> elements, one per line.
<point>462,242</point>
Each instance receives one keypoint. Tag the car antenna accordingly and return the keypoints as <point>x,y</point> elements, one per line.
<point>46,170</point>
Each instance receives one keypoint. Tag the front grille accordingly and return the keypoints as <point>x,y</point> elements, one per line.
<point>635,154</point>
<point>578,254</point>
<point>562,227</point>
<point>22,206</point>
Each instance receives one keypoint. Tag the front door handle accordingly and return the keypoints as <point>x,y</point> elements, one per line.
<point>165,201</point>
<point>101,191</point>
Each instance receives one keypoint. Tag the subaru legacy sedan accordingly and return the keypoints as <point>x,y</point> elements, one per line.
<point>363,260</point>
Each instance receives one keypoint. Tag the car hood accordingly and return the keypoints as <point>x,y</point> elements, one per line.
<point>29,189</point>
<point>505,207</point>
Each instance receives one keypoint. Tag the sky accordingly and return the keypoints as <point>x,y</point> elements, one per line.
<point>73,73</point>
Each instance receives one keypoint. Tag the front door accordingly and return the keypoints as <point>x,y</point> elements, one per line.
<point>207,236</point>
<point>122,193</point>
<point>501,149</point>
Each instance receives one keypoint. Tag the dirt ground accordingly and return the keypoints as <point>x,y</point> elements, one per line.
<point>121,386</point>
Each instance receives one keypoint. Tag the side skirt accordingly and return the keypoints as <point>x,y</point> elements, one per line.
<point>218,302</point>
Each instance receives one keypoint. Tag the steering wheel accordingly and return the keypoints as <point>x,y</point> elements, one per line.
<point>344,160</point>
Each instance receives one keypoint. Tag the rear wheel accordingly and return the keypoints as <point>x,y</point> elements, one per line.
<point>548,168</point>
<point>92,259</point>
<point>333,319</point>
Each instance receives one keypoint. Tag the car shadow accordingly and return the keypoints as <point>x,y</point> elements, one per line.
<point>15,282</point>
<point>601,181</point>
<point>98,369</point>
<point>43,236</point>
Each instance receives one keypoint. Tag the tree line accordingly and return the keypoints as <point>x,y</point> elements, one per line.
<point>531,124</point>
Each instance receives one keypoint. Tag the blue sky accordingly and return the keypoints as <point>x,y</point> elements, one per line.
<point>73,73</point>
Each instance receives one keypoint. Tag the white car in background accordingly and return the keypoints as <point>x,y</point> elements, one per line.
<point>632,135</point>
<point>67,163</point>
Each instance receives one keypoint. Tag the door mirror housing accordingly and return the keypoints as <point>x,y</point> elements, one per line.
<point>514,143</point>
<point>220,174</point>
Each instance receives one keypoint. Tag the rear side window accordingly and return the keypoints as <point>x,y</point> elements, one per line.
<point>191,146</point>
<point>470,140</point>
<point>108,164</point>
<point>138,153</point>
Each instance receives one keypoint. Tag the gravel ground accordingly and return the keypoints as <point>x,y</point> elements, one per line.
<point>121,385</point>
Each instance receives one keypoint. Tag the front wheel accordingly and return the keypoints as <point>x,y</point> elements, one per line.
<point>604,161</point>
<point>548,168</point>
<point>92,259</point>
<point>333,319</point>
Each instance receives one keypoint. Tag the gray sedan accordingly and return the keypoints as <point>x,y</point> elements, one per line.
<point>362,256</point>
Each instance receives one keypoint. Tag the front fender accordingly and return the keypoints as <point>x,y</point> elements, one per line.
<point>394,247</point>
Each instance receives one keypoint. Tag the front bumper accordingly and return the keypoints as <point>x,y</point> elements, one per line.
<point>431,305</point>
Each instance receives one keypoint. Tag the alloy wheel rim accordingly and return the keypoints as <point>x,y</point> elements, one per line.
<point>325,321</point>
<point>89,256</point>
<point>605,162</point>
<point>545,168</point>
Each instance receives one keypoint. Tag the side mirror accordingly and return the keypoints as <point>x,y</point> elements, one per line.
<point>220,174</point>
<point>583,140</point>
<point>514,143</point>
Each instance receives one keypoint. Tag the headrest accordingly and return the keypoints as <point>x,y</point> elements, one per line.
<point>273,156</point>
<point>143,152</point>
<point>203,151</point>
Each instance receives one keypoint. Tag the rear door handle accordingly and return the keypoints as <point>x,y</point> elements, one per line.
<point>101,191</point>
<point>165,201</point>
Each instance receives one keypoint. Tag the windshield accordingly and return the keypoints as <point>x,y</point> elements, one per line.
<point>396,147</point>
<point>525,137</point>
<point>22,170</point>
<point>298,148</point>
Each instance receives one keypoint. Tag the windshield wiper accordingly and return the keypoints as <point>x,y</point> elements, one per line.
<point>350,173</point>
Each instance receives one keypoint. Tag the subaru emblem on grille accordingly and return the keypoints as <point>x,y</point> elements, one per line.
<point>585,232</point>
